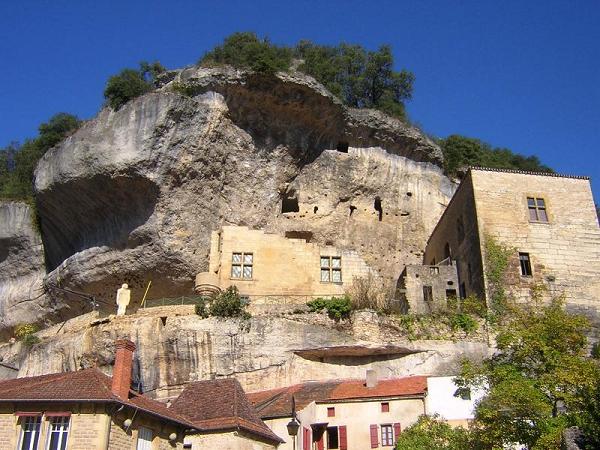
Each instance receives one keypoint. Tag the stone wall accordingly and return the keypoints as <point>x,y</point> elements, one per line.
<point>237,440</point>
<point>440,282</point>
<point>281,267</point>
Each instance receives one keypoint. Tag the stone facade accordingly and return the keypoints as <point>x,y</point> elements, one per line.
<point>91,427</point>
<point>427,289</point>
<point>279,268</point>
<point>235,440</point>
<point>562,247</point>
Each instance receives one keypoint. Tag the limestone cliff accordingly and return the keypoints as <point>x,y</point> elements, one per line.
<point>133,195</point>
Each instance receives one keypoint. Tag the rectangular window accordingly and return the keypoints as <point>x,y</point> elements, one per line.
<point>434,270</point>
<point>30,433</point>
<point>331,269</point>
<point>333,440</point>
<point>537,209</point>
<point>241,265</point>
<point>331,412</point>
<point>58,432</point>
<point>525,264</point>
<point>428,293</point>
<point>385,407</point>
<point>387,435</point>
<point>144,439</point>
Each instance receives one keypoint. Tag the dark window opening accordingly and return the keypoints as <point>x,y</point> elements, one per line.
<point>306,235</point>
<point>163,320</point>
<point>332,437</point>
<point>289,205</point>
<point>525,263</point>
<point>409,194</point>
<point>378,207</point>
<point>450,283</point>
<point>315,209</point>
<point>463,290</point>
<point>352,209</point>
<point>428,293</point>
<point>460,229</point>
<point>451,294</point>
<point>342,147</point>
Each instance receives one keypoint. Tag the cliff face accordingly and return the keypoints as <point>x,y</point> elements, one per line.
<point>21,268</point>
<point>133,195</point>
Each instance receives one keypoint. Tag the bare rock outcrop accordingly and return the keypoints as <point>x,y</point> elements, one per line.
<point>134,194</point>
<point>22,268</point>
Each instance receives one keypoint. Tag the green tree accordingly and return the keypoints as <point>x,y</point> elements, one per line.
<point>460,151</point>
<point>17,181</point>
<point>125,86</point>
<point>430,433</point>
<point>246,50</point>
<point>537,381</point>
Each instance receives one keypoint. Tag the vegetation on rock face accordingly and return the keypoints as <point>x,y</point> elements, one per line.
<point>497,257</point>
<point>26,334</point>
<point>538,383</point>
<point>460,151</point>
<point>337,308</point>
<point>18,162</point>
<point>225,304</point>
<point>359,77</point>
<point>129,83</point>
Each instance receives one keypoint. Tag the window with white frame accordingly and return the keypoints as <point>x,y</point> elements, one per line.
<point>331,269</point>
<point>30,433</point>
<point>144,439</point>
<point>58,432</point>
<point>241,265</point>
<point>387,435</point>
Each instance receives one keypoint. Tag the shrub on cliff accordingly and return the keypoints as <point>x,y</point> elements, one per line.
<point>130,83</point>
<point>26,333</point>
<point>225,304</point>
<point>17,163</point>
<point>337,308</point>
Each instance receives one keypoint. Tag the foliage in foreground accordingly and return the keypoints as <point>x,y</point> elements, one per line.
<point>337,308</point>
<point>432,433</point>
<point>130,83</point>
<point>18,163</point>
<point>225,304</point>
<point>539,381</point>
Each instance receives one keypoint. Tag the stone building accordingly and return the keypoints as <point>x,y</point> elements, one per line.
<point>427,289</point>
<point>344,414</point>
<point>548,220</point>
<point>263,265</point>
<point>88,410</point>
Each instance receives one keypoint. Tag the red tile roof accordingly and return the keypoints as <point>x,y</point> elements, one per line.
<point>221,405</point>
<point>278,402</point>
<point>89,385</point>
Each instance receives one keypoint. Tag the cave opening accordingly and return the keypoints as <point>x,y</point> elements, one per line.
<point>342,147</point>
<point>352,209</point>
<point>289,204</point>
<point>378,207</point>
<point>315,209</point>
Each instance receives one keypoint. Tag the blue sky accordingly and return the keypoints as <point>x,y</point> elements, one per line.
<point>516,74</point>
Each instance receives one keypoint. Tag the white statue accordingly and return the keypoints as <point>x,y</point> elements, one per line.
<point>123,297</point>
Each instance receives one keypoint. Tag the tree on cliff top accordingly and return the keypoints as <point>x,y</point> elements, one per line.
<point>129,83</point>
<point>17,163</point>
<point>360,78</point>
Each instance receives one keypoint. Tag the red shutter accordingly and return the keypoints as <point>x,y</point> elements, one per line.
<point>343,435</point>
<point>374,436</point>
<point>397,430</point>
<point>320,445</point>
<point>306,439</point>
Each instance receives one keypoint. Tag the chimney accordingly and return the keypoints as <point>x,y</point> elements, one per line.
<point>121,380</point>
<point>371,378</point>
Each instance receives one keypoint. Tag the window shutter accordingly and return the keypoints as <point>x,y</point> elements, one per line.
<point>397,430</point>
<point>306,440</point>
<point>374,436</point>
<point>320,445</point>
<point>343,437</point>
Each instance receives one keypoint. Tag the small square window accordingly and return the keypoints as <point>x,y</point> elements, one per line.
<point>525,263</point>
<point>385,407</point>
<point>331,269</point>
<point>537,209</point>
<point>331,412</point>
<point>241,265</point>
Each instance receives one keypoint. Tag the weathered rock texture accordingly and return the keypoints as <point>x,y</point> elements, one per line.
<point>134,194</point>
<point>175,347</point>
<point>21,268</point>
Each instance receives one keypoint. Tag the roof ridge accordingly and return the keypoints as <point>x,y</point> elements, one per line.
<point>529,172</point>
